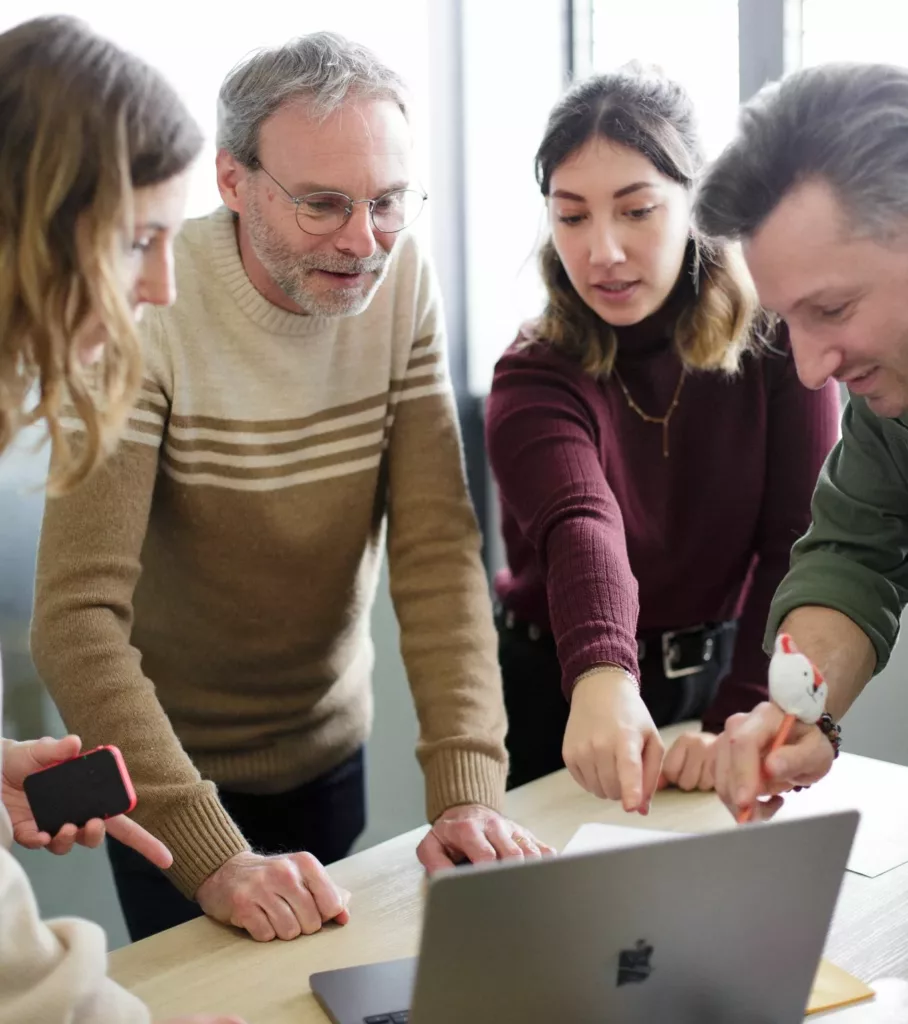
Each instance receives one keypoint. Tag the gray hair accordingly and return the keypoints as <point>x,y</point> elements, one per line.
<point>845,124</point>
<point>323,68</point>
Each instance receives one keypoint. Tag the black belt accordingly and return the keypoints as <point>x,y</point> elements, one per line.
<point>684,652</point>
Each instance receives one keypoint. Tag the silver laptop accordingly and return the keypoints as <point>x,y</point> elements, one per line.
<point>723,927</point>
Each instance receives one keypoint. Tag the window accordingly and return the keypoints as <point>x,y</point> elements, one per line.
<point>694,42</point>
<point>513,75</point>
<point>834,30</point>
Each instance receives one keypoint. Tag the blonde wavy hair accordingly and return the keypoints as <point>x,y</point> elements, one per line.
<point>715,298</point>
<point>84,125</point>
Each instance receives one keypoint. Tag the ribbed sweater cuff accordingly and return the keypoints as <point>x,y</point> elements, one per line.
<point>201,838</point>
<point>455,777</point>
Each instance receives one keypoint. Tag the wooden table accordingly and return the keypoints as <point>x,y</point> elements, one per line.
<point>202,966</point>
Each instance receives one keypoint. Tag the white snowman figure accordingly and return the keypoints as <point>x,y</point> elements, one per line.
<point>795,683</point>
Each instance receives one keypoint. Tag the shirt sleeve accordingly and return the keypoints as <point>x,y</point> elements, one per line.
<point>543,445</point>
<point>854,556</point>
<point>438,583</point>
<point>89,560</point>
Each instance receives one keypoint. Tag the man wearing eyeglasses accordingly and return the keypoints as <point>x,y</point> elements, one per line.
<point>204,600</point>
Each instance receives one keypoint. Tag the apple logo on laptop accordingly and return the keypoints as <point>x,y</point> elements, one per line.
<point>634,964</point>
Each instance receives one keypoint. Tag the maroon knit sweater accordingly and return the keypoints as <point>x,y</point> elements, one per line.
<point>606,537</point>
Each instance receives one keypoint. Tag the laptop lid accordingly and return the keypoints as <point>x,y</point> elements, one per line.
<point>721,927</point>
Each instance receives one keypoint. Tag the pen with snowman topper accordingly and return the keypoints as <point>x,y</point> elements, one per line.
<point>798,688</point>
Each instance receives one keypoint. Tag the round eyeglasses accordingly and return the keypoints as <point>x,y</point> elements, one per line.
<point>322,213</point>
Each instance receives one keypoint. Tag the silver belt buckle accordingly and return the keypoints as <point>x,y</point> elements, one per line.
<point>671,653</point>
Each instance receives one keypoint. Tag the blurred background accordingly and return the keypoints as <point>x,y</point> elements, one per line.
<point>483,76</point>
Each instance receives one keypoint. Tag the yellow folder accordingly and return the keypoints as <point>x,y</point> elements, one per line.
<point>834,987</point>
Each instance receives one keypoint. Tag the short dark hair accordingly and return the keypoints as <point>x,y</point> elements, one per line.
<point>845,124</point>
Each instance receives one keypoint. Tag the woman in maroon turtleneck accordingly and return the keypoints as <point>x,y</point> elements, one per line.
<point>655,461</point>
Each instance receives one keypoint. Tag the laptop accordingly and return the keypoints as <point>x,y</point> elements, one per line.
<point>728,926</point>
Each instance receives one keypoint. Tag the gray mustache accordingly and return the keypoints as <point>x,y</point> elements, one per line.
<point>339,265</point>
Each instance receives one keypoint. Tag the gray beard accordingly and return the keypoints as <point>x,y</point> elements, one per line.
<point>291,271</point>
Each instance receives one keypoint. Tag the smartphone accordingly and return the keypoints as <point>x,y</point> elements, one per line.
<point>94,784</point>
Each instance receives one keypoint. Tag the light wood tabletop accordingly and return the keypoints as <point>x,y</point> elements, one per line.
<point>204,967</point>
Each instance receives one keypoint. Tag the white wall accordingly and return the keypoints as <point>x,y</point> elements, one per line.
<point>877,724</point>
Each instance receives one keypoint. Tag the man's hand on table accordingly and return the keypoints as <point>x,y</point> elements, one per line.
<point>273,897</point>
<point>21,760</point>
<point>742,776</point>
<point>690,763</point>
<point>471,832</point>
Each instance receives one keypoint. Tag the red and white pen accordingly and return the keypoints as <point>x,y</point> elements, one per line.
<point>798,688</point>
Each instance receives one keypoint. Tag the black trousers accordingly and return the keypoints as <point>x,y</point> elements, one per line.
<point>324,816</point>
<point>538,712</point>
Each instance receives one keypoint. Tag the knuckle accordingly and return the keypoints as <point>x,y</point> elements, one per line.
<point>242,902</point>
<point>311,925</point>
<point>307,861</point>
<point>282,871</point>
<point>736,739</point>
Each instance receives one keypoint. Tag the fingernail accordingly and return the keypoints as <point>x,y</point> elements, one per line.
<point>742,797</point>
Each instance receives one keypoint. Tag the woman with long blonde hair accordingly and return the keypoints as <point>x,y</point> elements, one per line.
<point>654,460</point>
<point>95,150</point>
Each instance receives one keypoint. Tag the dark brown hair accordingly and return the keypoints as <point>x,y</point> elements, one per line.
<point>642,109</point>
<point>84,124</point>
<point>845,124</point>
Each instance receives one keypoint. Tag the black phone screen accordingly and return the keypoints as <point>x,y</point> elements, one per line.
<point>76,791</point>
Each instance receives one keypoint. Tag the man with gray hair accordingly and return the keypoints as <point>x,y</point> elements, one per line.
<point>204,600</point>
<point>815,185</point>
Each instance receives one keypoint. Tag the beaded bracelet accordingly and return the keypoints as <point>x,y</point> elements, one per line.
<point>831,730</point>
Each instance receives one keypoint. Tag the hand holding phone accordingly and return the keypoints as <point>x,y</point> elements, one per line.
<point>57,797</point>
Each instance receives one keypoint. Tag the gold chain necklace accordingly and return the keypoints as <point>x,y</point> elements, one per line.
<point>662,420</point>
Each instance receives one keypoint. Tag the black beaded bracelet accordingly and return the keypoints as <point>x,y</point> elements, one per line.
<point>831,730</point>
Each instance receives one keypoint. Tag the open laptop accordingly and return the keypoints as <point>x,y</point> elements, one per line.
<point>723,927</point>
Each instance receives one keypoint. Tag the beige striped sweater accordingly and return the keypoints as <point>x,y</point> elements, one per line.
<point>203,601</point>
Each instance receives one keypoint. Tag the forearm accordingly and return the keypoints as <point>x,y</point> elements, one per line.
<point>449,647</point>
<point>89,561</point>
<point>441,598</point>
<point>592,597</point>
<point>840,649</point>
<point>104,697</point>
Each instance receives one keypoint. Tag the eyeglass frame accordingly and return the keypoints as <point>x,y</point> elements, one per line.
<point>257,165</point>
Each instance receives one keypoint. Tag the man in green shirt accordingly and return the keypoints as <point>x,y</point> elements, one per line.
<point>816,188</point>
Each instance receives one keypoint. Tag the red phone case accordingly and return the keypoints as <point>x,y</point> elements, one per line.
<point>124,774</point>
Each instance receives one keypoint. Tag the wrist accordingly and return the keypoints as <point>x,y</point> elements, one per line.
<point>606,672</point>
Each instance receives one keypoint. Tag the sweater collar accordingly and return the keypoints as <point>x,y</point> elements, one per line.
<point>228,266</point>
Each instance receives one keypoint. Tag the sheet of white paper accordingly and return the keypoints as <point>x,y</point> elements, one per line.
<point>889,1007</point>
<point>876,789</point>
<point>595,836</point>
